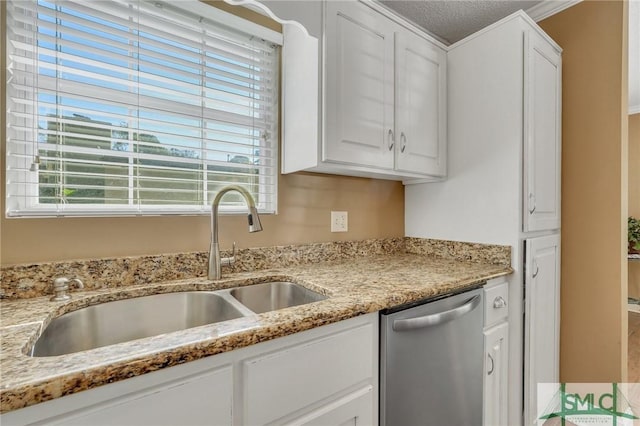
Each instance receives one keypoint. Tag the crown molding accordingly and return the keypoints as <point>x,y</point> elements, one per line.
<point>548,8</point>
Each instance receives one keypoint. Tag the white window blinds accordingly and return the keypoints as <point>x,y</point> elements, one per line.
<point>135,107</point>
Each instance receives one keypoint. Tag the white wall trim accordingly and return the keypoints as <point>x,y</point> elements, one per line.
<point>548,8</point>
<point>230,20</point>
<point>515,15</point>
<point>634,57</point>
<point>263,9</point>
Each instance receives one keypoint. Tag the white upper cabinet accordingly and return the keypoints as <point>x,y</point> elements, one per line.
<point>542,147</point>
<point>382,103</point>
<point>359,86</point>
<point>420,101</point>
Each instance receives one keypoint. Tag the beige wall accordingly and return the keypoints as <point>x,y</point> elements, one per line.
<point>594,190</point>
<point>376,210</point>
<point>634,195</point>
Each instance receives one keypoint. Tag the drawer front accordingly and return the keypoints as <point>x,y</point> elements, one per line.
<point>202,399</point>
<point>354,409</point>
<point>321,368</point>
<point>496,298</point>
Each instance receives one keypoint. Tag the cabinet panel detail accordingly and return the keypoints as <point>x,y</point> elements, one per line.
<point>420,106</point>
<point>359,87</point>
<point>496,376</point>
<point>542,327</point>
<point>201,399</point>
<point>542,148</point>
<point>351,410</point>
<point>322,368</point>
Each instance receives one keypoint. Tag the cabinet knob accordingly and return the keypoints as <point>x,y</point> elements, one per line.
<point>499,302</point>
<point>532,203</point>
<point>537,269</point>
<point>403,141</point>
<point>493,365</point>
<point>390,140</point>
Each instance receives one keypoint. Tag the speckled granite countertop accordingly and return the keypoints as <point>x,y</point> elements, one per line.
<point>355,286</point>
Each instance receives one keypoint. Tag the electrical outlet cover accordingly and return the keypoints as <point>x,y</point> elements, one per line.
<point>339,221</point>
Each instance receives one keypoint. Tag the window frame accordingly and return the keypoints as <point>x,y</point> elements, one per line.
<point>31,187</point>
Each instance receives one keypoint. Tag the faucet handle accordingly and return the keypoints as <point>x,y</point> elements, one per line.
<point>229,260</point>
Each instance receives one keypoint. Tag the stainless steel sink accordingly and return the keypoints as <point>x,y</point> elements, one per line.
<point>130,319</point>
<point>274,295</point>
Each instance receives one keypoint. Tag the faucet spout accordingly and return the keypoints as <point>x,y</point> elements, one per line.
<point>215,261</point>
<point>254,220</point>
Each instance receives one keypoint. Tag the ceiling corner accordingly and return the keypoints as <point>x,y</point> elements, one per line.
<point>548,8</point>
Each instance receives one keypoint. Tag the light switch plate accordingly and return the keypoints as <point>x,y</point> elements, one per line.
<point>339,221</point>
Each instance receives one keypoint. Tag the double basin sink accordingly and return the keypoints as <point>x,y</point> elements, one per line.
<point>130,319</point>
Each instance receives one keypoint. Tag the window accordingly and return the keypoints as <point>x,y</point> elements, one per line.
<point>135,107</point>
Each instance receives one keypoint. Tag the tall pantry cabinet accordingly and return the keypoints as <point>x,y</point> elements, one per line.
<point>503,187</point>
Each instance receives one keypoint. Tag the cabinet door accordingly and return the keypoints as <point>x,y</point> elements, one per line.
<point>496,374</point>
<point>542,318</point>
<point>273,382</point>
<point>420,105</point>
<point>203,399</point>
<point>542,146</point>
<point>359,86</point>
<point>355,409</point>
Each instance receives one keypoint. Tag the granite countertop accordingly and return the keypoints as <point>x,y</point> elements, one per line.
<point>354,286</point>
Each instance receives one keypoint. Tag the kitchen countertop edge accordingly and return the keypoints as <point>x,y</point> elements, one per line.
<point>204,341</point>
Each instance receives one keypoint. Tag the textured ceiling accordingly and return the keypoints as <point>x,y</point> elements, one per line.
<point>452,20</point>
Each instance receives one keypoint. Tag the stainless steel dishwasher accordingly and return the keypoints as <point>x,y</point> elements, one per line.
<point>431,362</point>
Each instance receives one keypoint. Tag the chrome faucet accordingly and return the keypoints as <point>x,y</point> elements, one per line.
<point>215,262</point>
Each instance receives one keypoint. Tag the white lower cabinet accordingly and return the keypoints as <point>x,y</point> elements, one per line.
<point>198,400</point>
<point>279,384</point>
<point>353,409</point>
<point>496,349</point>
<point>542,320</point>
<point>495,382</point>
<point>196,393</point>
<point>324,376</point>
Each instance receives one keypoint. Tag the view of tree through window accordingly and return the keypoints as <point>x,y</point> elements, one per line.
<point>126,105</point>
<point>104,178</point>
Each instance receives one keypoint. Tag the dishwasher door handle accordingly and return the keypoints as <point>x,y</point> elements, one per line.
<point>437,318</point>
